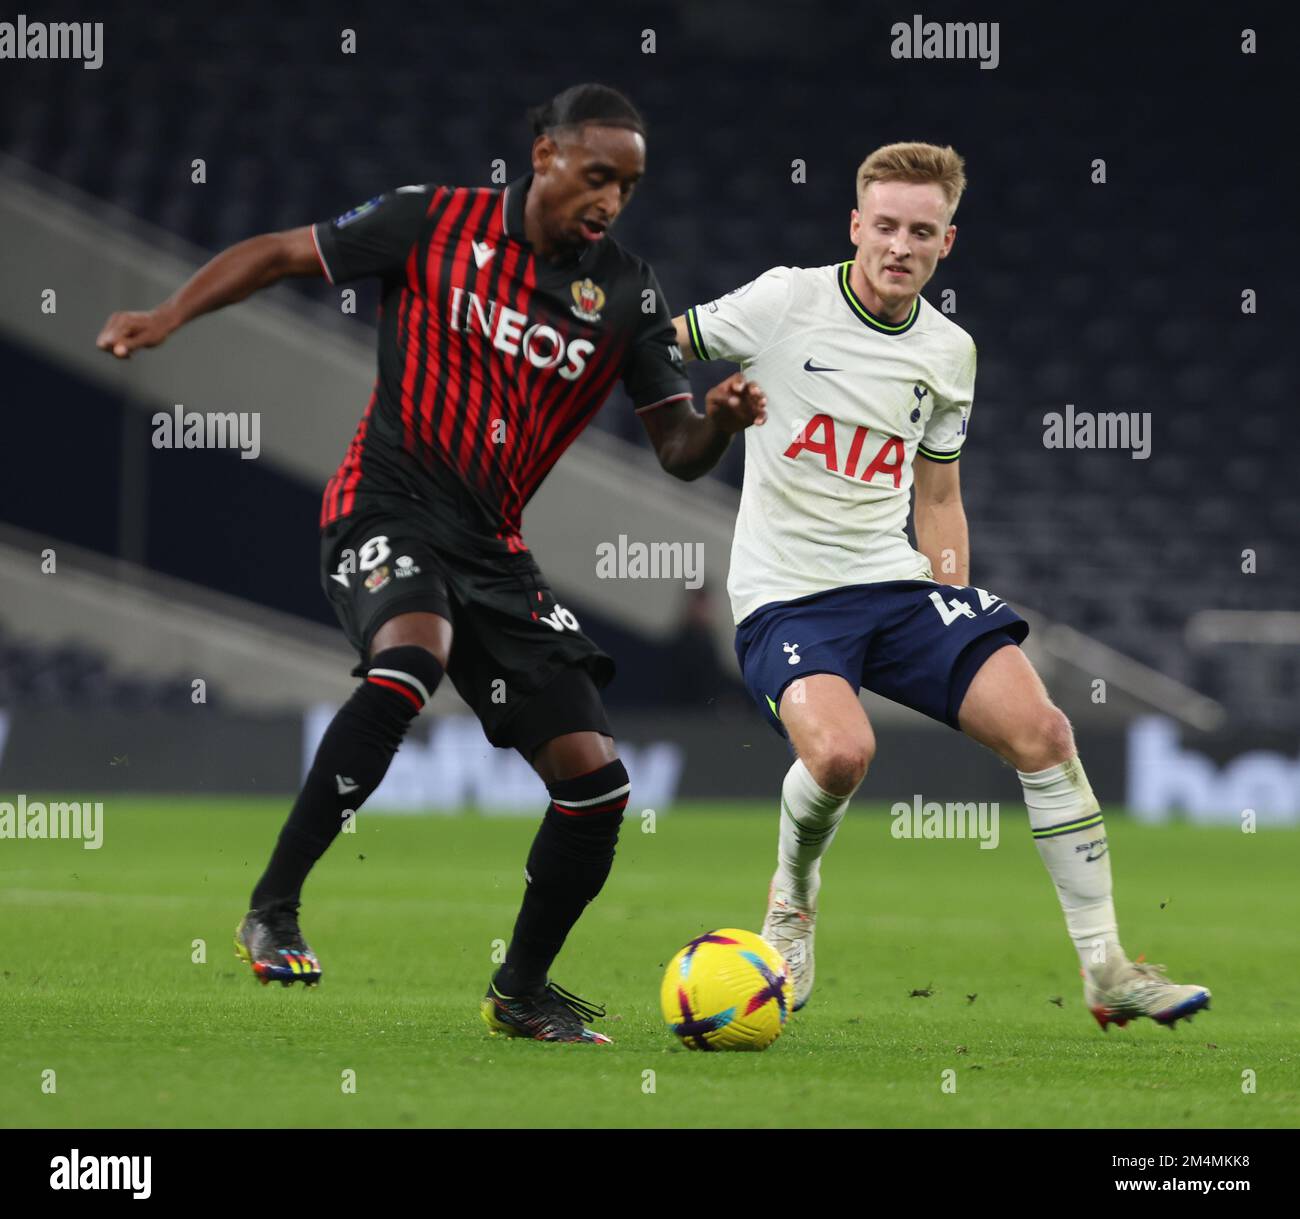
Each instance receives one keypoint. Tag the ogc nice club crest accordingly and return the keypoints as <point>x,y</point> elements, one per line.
<point>588,300</point>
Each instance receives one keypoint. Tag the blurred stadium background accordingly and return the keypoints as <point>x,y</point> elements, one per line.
<point>172,566</point>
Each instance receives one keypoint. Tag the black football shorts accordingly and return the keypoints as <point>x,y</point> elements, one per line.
<point>514,649</point>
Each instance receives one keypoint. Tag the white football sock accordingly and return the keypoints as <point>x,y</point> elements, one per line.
<point>1071,838</point>
<point>809,819</point>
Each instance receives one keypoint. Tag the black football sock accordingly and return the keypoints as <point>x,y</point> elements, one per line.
<point>351,761</point>
<point>567,866</point>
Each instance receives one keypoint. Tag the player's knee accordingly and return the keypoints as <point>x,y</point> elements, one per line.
<point>838,763</point>
<point>1047,740</point>
<point>395,687</point>
<point>431,632</point>
<point>410,671</point>
<point>586,812</point>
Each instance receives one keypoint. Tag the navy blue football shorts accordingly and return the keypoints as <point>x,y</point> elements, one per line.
<point>912,641</point>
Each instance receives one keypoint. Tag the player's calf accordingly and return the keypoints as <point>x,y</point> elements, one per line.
<point>835,744</point>
<point>567,867</point>
<point>351,761</point>
<point>810,817</point>
<point>568,864</point>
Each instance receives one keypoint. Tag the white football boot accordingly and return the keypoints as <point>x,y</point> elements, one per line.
<point>789,929</point>
<point>1136,988</point>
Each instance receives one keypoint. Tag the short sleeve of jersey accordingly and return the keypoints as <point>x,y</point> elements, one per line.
<point>945,432</point>
<point>373,238</point>
<point>652,372</point>
<point>740,325</point>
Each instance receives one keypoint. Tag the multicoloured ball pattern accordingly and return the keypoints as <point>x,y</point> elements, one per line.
<point>727,990</point>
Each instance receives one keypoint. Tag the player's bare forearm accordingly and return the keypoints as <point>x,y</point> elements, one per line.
<point>235,274</point>
<point>688,443</point>
<point>941,536</point>
<point>693,447</point>
<point>940,520</point>
<point>231,276</point>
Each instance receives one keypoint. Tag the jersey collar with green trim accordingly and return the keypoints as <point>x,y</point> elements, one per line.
<point>865,315</point>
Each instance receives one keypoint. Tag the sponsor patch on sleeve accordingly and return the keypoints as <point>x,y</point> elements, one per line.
<point>357,212</point>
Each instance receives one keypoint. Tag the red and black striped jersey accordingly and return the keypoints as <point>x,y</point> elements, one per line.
<point>491,360</point>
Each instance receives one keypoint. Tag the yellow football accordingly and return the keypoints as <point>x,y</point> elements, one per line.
<point>727,990</point>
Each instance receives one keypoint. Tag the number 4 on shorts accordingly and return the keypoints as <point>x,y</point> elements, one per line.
<point>952,610</point>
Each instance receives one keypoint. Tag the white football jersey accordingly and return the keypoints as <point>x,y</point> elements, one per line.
<point>851,400</point>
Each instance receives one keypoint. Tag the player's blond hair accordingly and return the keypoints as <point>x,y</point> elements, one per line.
<point>913,162</point>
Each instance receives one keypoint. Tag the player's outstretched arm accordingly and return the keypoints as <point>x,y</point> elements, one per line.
<point>689,444</point>
<point>229,277</point>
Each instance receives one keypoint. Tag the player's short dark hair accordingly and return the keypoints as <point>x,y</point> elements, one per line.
<point>589,103</point>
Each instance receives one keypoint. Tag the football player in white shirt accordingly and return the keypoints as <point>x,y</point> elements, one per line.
<point>862,375</point>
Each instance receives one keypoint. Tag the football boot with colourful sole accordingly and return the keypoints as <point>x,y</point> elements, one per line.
<point>1139,989</point>
<point>550,1013</point>
<point>269,941</point>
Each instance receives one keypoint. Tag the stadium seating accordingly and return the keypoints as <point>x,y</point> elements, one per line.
<point>1122,549</point>
<point>37,675</point>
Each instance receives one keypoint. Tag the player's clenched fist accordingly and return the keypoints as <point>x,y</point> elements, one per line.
<point>124,333</point>
<point>732,405</point>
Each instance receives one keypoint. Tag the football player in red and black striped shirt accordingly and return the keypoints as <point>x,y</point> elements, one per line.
<point>507,316</point>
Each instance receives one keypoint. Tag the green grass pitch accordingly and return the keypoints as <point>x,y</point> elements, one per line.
<point>99,985</point>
